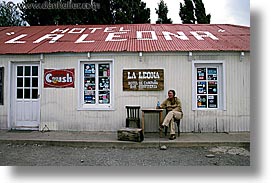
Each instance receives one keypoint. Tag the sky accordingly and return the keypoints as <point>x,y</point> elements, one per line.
<point>222,11</point>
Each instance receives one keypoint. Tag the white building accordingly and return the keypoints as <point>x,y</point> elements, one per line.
<point>80,78</point>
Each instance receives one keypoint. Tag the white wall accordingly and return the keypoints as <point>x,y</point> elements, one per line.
<point>59,105</point>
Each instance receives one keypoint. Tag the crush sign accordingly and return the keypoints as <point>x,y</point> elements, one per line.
<point>63,78</point>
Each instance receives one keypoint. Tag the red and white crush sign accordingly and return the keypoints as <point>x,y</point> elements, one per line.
<point>63,78</point>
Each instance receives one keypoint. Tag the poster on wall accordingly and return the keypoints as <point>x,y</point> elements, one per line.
<point>202,101</point>
<point>201,73</point>
<point>59,78</point>
<point>143,80</point>
<point>212,101</point>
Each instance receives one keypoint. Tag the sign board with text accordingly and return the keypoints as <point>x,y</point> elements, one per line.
<point>143,79</point>
<point>59,78</point>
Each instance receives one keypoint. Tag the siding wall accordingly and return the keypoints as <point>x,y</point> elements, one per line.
<point>59,106</point>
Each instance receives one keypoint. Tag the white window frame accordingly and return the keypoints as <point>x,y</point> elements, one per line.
<point>2,85</point>
<point>96,106</point>
<point>220,64</point>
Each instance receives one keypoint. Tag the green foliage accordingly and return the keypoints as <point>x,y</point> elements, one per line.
<point>10,15</point>
<point>130,12</point>
<point>87,12</point>
<point>187,12</point>
<point>193,11</point>
<point>162,12</point>
<point>202,18</point>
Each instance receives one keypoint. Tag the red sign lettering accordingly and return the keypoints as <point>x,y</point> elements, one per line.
<point>63,78</point>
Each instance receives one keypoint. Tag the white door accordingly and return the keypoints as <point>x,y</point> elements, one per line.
<point>25,108</point>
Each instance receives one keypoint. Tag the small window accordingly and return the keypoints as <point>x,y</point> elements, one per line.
<point>208,85</point>
<point>27,82</point>
<point>1,85</point>
<point>96,85</point>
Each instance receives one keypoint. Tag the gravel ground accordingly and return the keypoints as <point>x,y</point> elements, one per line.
<point>43,155</point>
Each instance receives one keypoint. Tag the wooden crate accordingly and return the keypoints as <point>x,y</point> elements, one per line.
<point>130,134</point>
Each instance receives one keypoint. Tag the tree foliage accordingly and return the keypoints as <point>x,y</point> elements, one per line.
<point>10,15</point>
<point>85,12</point>
<point>193,11</point>
<point>162,12</point>
<point>187,12</point>
<point>129,12</point>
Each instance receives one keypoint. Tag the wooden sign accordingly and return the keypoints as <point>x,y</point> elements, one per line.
<point>143,79</point>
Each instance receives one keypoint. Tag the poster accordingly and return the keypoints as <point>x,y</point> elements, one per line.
<point>202,101</point>
<point>212,87</point>
<point>212,101</point>
<point>97,83</point>
<point>201,87</point>
<point>212,73</point>
<point>201,73</point>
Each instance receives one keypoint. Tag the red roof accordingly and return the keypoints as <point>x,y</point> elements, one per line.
<point>124,38</point>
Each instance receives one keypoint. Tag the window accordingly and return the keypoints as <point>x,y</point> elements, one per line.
<point>27,82</point>
<point>96,85</point>
<point>208,85</point>
<point>1,85</point>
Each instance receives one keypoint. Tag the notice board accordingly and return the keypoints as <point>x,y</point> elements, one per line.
<point>143,79</point>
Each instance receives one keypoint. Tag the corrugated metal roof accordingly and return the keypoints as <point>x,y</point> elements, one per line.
<point>124,37</point>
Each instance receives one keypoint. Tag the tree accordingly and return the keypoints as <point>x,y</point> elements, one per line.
<point>162,12</point>
<point>129,12</point>
<point>84,12</point>
<point>187,12</point>
<point>202,18</point>
<point>142,14</point>
<point>58,12</point>
<point>10,15</point>
<point>193,11</point>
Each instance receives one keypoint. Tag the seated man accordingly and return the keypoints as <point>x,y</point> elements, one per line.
<point>173,106</point>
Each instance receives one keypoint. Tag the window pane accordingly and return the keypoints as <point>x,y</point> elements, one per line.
<point>19,82</point>
<point>201,73</point>
<point>201,87</point>
<point>202,101</point>
<point>104,97</point>
<point>89,70</point>
<point>27,70</point>
<point>212,87</point>
<point>96,81</point>
<point>34,70</point>
<point>89,97</point>
<point>19,70</point>
<point>27,82</point>
<point>1,84</point>
<point>212,73</point>
<point>1,95</point>
<point>27,94</point>
<point>1,74</point>
<point>34,82</point>
<point>89,84</point>
<point>104,83</point>
<point>34,93</point>
<point>104,70</point>
<point>212,101</point>
<point>19,93</point>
